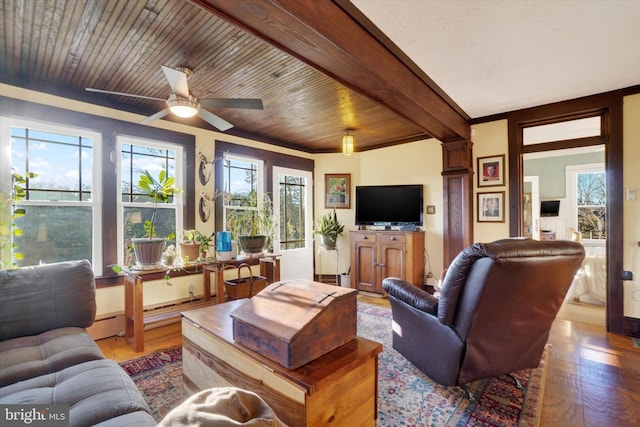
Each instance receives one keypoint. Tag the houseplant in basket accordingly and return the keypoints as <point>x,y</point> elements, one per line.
<point>149,249</point>
<point>329,230</point>
<point>253,225</point>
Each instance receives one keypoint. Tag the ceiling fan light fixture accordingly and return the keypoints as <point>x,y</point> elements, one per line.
<point>182,107</point>
<point>347,144</point>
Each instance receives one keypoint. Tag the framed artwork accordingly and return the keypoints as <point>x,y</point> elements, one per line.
<point>491,171</point>
<point>337,190</point>
<point>491,207</point>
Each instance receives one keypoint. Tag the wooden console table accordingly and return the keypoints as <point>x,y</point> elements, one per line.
<point>134,313</point>
<point>338,388</point>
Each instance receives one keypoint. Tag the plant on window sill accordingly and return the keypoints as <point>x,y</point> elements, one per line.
<point>158,190</point>
<point>149,249</point>
<point>9,213</point>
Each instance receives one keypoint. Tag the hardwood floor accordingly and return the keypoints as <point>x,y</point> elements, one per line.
<point>593,377</point>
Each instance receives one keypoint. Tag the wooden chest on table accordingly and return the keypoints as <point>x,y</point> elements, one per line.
<point>294,322</point>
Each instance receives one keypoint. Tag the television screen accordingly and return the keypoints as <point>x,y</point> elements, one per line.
<point>549,207</point>
<point>389,205</point>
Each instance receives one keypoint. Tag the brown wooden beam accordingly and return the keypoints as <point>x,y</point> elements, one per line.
<point>327,37</point>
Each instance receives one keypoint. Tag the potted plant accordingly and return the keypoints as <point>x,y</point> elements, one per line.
<point>204,243</point>
<point>189,247</point>
<point>195,245</point>
<point>329,230</point>
<point>254,226</point>
<point>170,255</point>
<point>149,249</point>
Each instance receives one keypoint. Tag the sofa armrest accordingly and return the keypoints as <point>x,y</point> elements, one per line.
<point>410,294</point>
<point>45,297</point>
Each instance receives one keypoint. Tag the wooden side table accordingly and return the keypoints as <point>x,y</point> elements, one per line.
<point>134,314</point>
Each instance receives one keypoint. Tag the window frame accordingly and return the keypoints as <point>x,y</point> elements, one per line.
<point>270,159</point>
<point>109,128</point>
<point>571,177</point>
<point>179,177</point>
<point>260,184</point>
<point>6,123</point>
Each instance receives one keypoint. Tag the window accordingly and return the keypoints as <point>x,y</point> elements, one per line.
<point>243,184</point>
<point>62,217</point>
<point>292,212</point>
<point>137,156</point>
<point>590,202</point>
<point>587,193</point>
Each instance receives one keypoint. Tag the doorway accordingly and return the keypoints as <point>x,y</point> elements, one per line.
<point>576,180</point>
<point>607,108</point>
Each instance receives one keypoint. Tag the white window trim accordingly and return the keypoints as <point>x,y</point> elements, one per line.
<point>96,174</point>
<point>571,173</point>
<point>178,199</point>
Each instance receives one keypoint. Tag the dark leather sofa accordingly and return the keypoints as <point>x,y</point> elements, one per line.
<point>493,315</point>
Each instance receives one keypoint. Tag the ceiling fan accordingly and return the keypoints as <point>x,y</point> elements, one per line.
<point>183,103</point>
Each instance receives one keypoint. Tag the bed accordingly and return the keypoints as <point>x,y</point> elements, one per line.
<point>590,282</point>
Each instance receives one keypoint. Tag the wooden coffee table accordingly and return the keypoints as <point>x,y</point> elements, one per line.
<point>338,388</point>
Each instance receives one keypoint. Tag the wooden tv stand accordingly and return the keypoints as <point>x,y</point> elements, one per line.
<point>378,254</point>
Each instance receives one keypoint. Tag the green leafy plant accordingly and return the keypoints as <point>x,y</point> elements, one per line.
<point>254,220</point>
<point>159,190</point>
<point>9,213</point>
<point>330,227</point>
<point>196,237</point>
<point>204,241</point>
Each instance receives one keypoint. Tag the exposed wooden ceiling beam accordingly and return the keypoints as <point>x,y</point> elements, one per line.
<point>325,36</point>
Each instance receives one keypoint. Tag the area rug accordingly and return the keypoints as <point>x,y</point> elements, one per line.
<point>406,396</point>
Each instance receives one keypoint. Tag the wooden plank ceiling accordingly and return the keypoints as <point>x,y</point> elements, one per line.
<point>62,47</point>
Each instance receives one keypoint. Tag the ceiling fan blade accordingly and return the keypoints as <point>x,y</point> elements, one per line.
<point>249,103</point>
<point>177,80</point>
<point>214,120</point>
<point>90,89</point>
<point>160,114</point>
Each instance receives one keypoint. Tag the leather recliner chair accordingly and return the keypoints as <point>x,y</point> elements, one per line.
<point>494,312</point>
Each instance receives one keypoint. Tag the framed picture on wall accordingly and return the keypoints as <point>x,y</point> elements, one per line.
<point>337,190</point>
<point>491,171</point>
<point>491,207</point>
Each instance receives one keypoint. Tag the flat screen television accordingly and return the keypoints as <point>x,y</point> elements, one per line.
<point>389,205</point>
<point>549,207</point>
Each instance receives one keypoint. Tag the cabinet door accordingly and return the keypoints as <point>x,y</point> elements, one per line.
<point>365,265</point>
<point>393,261</point>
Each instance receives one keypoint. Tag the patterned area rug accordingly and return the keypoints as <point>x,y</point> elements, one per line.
<point>406,397</point>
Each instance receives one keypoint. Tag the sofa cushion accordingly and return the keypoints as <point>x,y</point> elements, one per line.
<point>96,391</point>
<point>44,297</point>
<point>27,357</point>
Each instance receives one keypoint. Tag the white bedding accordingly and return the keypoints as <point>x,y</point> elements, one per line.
<point>590,282</point>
